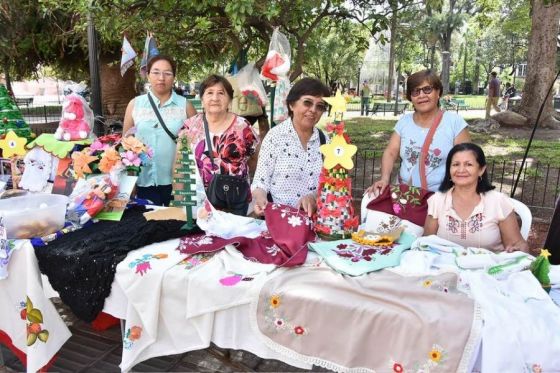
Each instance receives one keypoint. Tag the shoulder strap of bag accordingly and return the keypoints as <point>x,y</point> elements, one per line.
<point>322,138</point>
<point>425,148</point>
<point>158,115</point>
<point>209,144</point>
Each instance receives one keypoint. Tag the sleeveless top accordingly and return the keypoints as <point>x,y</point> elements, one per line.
<point>148,130</point>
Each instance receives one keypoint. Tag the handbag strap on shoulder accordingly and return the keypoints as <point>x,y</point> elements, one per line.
<point>160,119</point>
<point>209,145</point>
<point>425,148</point>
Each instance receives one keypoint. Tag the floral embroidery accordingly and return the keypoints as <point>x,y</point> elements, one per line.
<point>402,199</point>
<point>274,301</point>
<point>273,315</point>
<point>234,280</point>
<point>196,241</point>
<point>398,368</point>
<point>436,285</point>
<point>294,217</point>
<point>132,335</point>
<point>357,253</point>
<point>34,319</point>
<point>195,260</point>
<point>143,265</point>
<point>273,250</point>
<point>435,357</point>
<point>472,225</point>
<point>294,221</point>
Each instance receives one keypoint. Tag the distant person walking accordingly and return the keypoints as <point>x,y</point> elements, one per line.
<point>365,95</point>
<point>493,94</point>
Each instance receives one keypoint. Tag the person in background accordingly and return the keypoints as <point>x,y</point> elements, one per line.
<point>467,210</point>
<point>424,91</point>
<point>509,92</point>
<point>365,95</point>
<point>289,161</point>
<point>154,182</point>
<point>493,94</point>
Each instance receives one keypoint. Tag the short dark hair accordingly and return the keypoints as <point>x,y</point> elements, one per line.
<point>418,78</point>
<point>303,87</point>
<point>508,84</point>
<point>161,57</point>
<point>483,184</point>
<point>493,73</point>
<point>214,79</point>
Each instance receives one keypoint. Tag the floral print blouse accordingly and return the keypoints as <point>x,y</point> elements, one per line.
<point>230,149</point>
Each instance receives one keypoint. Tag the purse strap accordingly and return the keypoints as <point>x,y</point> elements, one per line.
<point>158,115</point>
<point>425,148</point>
<point>208,141</point>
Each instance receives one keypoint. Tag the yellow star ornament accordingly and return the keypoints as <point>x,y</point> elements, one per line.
<point>338,104</point>
<point>545,253</point>
<point>12,145</point>
<point>338,152</point>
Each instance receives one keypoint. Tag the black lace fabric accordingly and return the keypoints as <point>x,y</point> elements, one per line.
<point>81,265</point>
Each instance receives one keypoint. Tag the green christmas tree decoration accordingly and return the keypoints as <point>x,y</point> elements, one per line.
<point>184,181</point>
<point>10,116</point>
<point>541,268</point>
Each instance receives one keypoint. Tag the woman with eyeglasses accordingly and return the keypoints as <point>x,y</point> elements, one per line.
<point>233,140</point>
<point>424,90</point>
<point>290,162</point>
<point>154,182</point>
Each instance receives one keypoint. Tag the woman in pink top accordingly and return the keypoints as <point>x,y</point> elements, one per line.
<point>467,210</point>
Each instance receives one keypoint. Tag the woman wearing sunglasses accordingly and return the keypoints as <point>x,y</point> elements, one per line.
<point>154,182</point>
<point>289,160</point>
<point>424,90</point>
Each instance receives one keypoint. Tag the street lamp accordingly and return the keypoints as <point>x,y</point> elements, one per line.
<point>94,76</point>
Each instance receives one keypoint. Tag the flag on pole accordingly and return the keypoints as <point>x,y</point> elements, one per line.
<point>128,55</point>
<point>150,50</point>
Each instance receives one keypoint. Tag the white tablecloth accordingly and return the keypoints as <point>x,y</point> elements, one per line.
<point>24,282</point>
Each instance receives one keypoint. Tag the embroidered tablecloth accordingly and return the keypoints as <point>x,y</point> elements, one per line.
<point>380,322</point>
<point>28,320</point>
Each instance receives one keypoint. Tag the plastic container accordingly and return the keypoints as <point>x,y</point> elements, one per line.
<point>33,215</point>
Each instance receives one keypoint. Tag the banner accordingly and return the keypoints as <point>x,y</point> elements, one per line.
<point>150,50</point>
<point>128,55</point>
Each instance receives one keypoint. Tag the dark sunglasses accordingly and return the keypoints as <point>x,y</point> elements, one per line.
<point>427,90</point>
<point>321,107</point>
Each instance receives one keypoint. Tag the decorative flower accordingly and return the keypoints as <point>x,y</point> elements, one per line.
<point>275,301</point>
<point>427,283</point>
<point>129,158</point>
<point>398,368</point>
<point>435,355</point>
<point>279,323</point>
<point>109,159</point>
<point>397,208</point>
<point>294,221</point>
<point>135,333</point>
<point>299,330</point>
<point>132,144</point>
<point>160,256</point>
<point>437,151</point>
<point>81,162</point>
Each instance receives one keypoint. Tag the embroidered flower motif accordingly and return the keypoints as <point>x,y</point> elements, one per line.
<point>273,250</point>
<point>427,283</point>
<point>397,208</point>
<point>435,355</point>
<point>275,301</point>
<point>135,333</point>
<point>142,268</point>
<point>160,256</point>
<point>280,323</point>
<point>299,330</point>
<point>294,221</point>
<point>398,368</point>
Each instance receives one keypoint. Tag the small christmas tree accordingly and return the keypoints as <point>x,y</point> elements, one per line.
<point>335,210</point>
<point>541,268</point>
<point>10,116</point>
<point>184,181</point>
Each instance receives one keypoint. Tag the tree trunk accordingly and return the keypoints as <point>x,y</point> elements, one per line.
<point>116,91</point>
<point>446,61</point>
<point>393,31</point>
<point>541,64</point>
<point>7,76</point>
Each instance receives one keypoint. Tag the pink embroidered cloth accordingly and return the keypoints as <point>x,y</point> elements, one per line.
<point>380,322</point>
<point>404,201</point>
<point>284,244</point>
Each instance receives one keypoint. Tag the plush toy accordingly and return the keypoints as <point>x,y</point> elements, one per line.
<point>38,164</point>
<point>90,202</point>
<point>76,121</point>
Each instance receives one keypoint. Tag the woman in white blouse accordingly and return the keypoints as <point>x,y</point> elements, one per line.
<point>467,210</point>
<point>290,162</point>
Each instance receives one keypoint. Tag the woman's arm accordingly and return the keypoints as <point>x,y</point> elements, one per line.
<point>511,236</point>
<point>430,226</point>
<point>191,111</point>
<point>390,155</point>
<point>128,122</point>
<point>463,136</point>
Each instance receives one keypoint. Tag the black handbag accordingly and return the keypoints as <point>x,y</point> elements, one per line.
<point>226,192</point>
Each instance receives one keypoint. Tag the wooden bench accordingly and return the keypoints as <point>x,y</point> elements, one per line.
<point>24,101</point>
<point>386,107</point>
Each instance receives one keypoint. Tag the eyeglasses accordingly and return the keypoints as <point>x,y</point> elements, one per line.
<point>165,74</point>
<point>321,107</point>
<point>427,90</point>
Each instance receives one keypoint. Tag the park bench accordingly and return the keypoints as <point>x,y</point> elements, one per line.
<point>386,107</point>
<point>196,104</point>
<point>454,104</point>
<point>24,101</point>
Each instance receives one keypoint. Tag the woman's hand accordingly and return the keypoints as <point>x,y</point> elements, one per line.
<point>518,246</point>
<point>377,188</point>
<point>259,195</point>
<point>308,203</point>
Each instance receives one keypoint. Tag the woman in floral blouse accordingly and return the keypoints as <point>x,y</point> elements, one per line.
<point>290,162</point>
<point>233,139</point>
<point>424,90</point>
<point>467,211</point>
